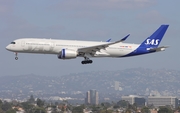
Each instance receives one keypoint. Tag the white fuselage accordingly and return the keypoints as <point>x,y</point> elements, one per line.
<point>52,46</point>
<point>69,49</point>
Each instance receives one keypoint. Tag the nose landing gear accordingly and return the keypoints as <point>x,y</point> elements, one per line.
<point>16,58</point>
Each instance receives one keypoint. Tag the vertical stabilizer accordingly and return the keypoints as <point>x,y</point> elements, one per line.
<point>154,40</point>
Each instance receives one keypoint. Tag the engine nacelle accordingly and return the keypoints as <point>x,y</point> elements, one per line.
<point>67,54</point>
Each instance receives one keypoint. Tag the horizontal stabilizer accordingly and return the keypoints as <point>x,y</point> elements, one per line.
<point>162,48</point>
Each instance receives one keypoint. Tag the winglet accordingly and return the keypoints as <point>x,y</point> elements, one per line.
<point>108,40</point>
<point>123,39</point>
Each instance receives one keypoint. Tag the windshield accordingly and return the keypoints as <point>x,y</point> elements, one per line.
<point>13,42</point>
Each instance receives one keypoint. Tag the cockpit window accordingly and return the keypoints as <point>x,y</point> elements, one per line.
<point>13,42</point>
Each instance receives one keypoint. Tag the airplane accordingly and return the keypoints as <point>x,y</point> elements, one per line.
<point>70,49</point>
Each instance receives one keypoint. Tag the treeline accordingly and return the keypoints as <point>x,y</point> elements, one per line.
<point>30,106</point>
<point>39,106</point>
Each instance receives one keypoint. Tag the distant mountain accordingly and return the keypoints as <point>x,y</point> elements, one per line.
<point>139,81</point>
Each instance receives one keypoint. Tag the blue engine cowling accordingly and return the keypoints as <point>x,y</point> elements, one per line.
<point>67,54</point>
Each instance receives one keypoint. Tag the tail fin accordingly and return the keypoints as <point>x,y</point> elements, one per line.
<point>154,40</point>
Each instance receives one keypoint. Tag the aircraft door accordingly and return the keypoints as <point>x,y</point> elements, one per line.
<point>51,46</point>
<point>23,43</point>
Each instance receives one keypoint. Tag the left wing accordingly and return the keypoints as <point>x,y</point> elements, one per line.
<point>91,49</point>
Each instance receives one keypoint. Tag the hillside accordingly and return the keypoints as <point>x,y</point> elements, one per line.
<point>132,81</point>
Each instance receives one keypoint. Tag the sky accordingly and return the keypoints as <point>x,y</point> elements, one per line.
<point>90,20</point>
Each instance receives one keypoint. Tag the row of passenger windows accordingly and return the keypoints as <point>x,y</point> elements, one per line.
<point>56,44</point>
<point>70,45</point>
<point>36,44</point>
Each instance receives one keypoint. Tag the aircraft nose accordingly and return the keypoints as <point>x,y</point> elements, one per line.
<point>8,47</point>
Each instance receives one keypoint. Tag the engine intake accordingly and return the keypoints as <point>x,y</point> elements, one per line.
<point>67,54</point>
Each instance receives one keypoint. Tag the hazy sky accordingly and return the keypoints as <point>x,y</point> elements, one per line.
<point>96,20</point>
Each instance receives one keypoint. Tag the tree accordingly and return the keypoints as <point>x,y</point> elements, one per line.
<point>31,100</point>
<point>38,110</point>
<point>116,106</point>
<point>145,110</point>
<point>78,109</point>
<point>11,111</point>
<point>165,109</point>
<point>123,103</point>
<point>1,102</point>
<point>1,111</point>
<point>178,108</point>
<point>105,106</point>
<point>95,108</point>
<point>14,103</point>
<point>6,106</point>
<point>27,106</point>
<point>105,111</point>
<point>40,103</point>
<point>134,107</point>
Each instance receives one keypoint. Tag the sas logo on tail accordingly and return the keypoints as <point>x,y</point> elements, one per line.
<point>152,42</point>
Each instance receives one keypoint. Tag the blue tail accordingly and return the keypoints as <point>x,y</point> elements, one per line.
<point>154,40</point>
<point>151,44</point>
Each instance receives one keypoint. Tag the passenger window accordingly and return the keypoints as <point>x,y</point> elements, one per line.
<point>13,42</point>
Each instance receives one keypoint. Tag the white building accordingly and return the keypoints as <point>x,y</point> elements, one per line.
<point>116,85</point>
<point>157,101</point>
<point>140,101</point>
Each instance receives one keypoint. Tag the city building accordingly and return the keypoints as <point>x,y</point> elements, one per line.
<point>92,97</point>
<point>140,101</point>
<point>87,99</point>
<point>157,101</point>
<point>116,85</point>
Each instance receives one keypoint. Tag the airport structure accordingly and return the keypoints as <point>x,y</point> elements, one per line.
<point>138,100</point>
<point>157,101</point>
<point>92,97</point>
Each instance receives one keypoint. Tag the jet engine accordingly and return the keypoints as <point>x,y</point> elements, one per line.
<point>67,54</point>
